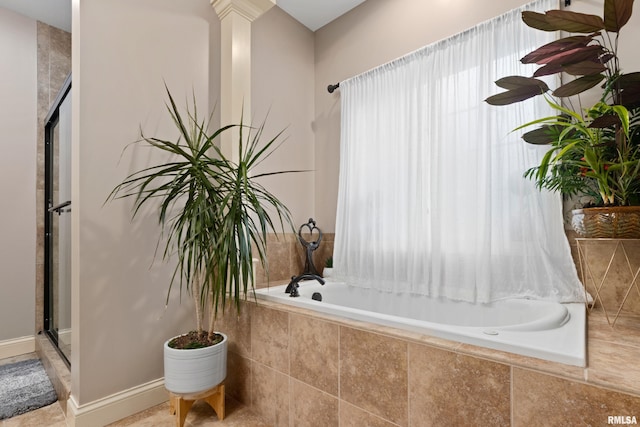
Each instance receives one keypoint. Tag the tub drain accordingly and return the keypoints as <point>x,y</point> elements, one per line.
<point>490,332</point>
<point>316,296</point>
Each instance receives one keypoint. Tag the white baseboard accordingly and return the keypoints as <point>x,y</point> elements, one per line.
<point>117,406</point>
<point>17,346</point>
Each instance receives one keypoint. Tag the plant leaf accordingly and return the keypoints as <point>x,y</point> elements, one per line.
<point>578,85</point>
<point>630,89</point>
<point>617,14</point>
<point>548,70</point>
<point>515,82</point>
<point>605,121</point>
<point>629,79</point>
<point>574,22</point>
<point>579,54</point>
<point>606,57</point>
<point>543,135</point>
<point>514,95</point>
<point>584,68</point>
<point>537,20</point>
<point>540,55</point>
<point>623,115</point>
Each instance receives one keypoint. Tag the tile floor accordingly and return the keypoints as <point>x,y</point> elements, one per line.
<point>201,415</point>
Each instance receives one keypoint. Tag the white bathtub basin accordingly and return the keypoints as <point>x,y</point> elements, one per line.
<point>541,329</point>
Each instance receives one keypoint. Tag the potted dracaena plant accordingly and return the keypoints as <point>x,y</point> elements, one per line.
<point>594,152</point>
<point>214,217</point>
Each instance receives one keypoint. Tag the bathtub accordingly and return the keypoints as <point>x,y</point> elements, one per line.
<point>541,329</point>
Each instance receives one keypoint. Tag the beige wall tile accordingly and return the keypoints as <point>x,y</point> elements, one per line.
<point>298,257</point>
<point>40,226</point>
<point>625,331</point>
<point>270,395</point>
<point>238,381</point>
<point>314,352</point>
<point>540,399</point>
<point>513,359</point>
<point>237,327</point>
<point>283,398</point>
<point>56,369</point>
<point>278,256</point>
<point>598,262</point>
<point>351,416</point>
<point>373,373</point>
<point>615,365</point>
<point>311,407</point>
<point>270,337</point>
<point>39,297</point>
<point>465,390</point>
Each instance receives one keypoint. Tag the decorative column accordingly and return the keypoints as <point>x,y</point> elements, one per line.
<point>236,17</point>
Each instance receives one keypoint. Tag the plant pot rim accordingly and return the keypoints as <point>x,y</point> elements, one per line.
<point>195,350</point>
<point>605,209</point>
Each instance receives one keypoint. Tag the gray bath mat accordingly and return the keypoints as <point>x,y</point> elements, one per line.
<point>24,386</point>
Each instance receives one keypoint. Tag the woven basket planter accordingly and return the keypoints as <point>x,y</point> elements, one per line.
<point>617,222</point>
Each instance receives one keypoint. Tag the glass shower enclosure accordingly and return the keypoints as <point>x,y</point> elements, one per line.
<point>57,224</point>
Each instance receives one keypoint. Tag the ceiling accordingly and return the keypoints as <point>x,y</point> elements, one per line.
<point>56,13</point>
<point>311,13</point>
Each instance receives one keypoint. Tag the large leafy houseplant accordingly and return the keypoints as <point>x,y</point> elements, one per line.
<point>593,151</point>
<point>213,212</point>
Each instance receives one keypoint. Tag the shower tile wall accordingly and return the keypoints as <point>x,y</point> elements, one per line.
<point>54,65</point>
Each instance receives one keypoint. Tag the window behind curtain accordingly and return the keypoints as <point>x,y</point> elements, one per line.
<point>431,196</point>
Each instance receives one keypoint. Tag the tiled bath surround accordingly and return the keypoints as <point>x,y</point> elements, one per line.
<point>294,367</point>
<point>297,367</point>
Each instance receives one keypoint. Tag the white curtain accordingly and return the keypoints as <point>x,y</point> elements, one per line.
<point>432,198</point>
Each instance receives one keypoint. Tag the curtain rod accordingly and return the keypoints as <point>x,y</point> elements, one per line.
<point>332,88</point>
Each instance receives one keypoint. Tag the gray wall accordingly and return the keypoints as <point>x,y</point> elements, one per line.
<point>282,92</point>
<point>17,175</point>
<point>123,51</point>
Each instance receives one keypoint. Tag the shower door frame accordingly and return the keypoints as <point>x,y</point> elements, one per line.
<point>51,121</point>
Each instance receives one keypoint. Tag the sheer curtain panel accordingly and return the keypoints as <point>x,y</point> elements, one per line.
<point>432,198</point>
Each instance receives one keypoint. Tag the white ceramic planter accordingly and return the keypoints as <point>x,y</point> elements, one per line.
<point>327,272</point>
<point>195,370</point>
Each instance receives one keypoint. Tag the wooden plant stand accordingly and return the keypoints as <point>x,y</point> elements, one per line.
<point>180,404</point>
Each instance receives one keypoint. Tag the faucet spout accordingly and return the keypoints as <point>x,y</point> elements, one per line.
<point>292,287</point>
